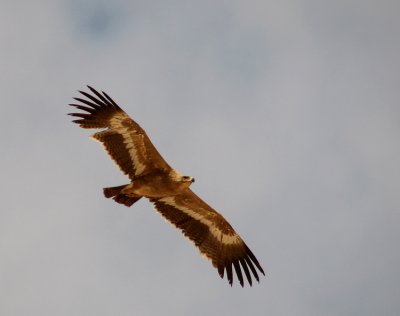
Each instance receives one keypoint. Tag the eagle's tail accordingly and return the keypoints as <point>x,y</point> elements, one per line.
<point>119,197</point>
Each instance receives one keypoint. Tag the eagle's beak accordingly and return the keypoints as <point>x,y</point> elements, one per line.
<point>192,180</point>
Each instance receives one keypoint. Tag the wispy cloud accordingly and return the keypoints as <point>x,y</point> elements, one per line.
<point>286,113</point>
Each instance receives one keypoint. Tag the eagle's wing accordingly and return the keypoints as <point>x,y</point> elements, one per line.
<point>124,140</point>
<point>211,233</point>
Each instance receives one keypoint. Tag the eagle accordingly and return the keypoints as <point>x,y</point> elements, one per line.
<point>166,188</point>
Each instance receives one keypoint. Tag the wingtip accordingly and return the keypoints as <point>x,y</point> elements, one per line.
<point>221,272</point>
<point>91,88</point>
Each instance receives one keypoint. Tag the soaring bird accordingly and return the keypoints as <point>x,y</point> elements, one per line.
<point>151,177</point>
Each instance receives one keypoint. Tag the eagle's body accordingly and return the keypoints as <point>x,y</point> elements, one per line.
<point>156,185</point>
<point>151,177</point>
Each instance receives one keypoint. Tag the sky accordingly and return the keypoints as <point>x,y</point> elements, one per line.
<point>287,114</point>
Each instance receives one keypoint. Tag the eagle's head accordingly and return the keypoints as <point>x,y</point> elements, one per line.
<point>176,176</point>
<point>187,179</point>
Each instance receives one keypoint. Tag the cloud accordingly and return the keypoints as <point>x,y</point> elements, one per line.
<point>297,101</point>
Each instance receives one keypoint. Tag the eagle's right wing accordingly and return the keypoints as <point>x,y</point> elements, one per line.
<point>211,233</point>
<point>123,139</point>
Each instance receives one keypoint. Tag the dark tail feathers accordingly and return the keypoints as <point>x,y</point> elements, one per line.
<point>115,193</point>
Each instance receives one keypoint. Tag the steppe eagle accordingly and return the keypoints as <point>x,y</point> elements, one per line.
<point>151,176</point>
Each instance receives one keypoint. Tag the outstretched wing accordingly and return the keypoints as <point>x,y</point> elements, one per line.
<point>124,140</point>
<point>211,233</point>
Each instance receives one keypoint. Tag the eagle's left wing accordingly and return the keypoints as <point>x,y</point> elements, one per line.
<point>211,233</point>
<point>123,139</point>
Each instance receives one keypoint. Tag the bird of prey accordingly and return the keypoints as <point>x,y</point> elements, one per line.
<point>151,177</point>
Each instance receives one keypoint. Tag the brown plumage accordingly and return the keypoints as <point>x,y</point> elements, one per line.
<point>151,176</point>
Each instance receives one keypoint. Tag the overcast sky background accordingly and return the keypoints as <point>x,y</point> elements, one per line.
<point>287,113</point>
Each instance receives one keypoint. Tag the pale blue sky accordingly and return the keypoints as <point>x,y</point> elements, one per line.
<point>286,113</point>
